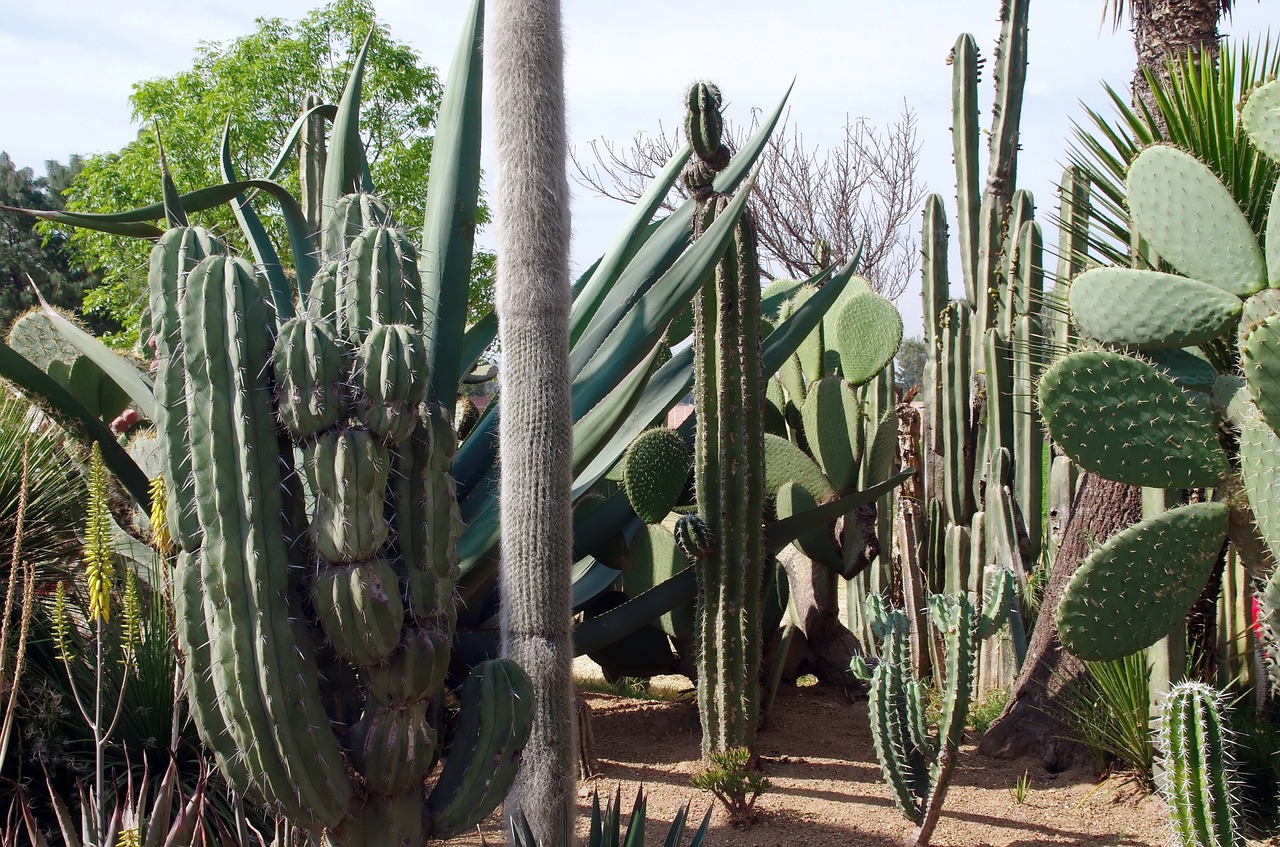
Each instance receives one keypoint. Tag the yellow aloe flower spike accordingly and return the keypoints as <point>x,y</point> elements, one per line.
<point>99,567</point>
<point>160,535</point>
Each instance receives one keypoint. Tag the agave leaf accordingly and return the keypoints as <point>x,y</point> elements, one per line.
<point>674,379</point>
<point>668,242</point>
<point>58,403</point>
<point>346,171</point>
<point>619,622</point>
<point>619,346</point>
<point>617,258</point>
<point>264,252</point>
<point>328,111</point>
<point>174,214</point>
<point>475,341</point>
<point>119,369</point>
<point>782,533</point>
<point>452,209</point>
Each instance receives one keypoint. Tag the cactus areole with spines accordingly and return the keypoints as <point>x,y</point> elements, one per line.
<point>727,543</point>
<point>309,486</point>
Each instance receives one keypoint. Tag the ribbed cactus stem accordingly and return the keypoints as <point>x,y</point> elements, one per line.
<point>728,462</point>
<point>917,766</point>
<point>1073,233</point>
<point>535,429</point>
<point>311,161</point>
<point>1197,779</point>
<point>965,66</point>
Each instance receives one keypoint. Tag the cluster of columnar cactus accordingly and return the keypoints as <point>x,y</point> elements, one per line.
<point>1198,777</point>
<point>311,497</point>
<point>916,763</point>
<point>983,351</point>
<point>317,527</point>
<point>728,456</point>
<point>1179,394</point>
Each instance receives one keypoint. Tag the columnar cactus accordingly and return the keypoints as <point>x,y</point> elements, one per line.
<point>312,502</point>
<point>917,765</point>
<point>1157,415</point>
<point>536,426</point>
<point>983,350</point>
<point>1198,777</point>
<point>728,452</point>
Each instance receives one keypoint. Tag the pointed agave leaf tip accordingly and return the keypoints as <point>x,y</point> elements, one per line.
<point>174,214</point>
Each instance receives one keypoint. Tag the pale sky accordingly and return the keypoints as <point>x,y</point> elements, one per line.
<point>66,68</point>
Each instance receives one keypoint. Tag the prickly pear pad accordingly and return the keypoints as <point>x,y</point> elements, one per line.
<point>1192,220</point>
<point>1260,472</point>
<point>1260,353</point>
<point>655,472</point>
<point>1120,418</point>
<point>868,334</point>
<point>1261,119</point>
<point>1130,591</point>
<point>1149,310</point>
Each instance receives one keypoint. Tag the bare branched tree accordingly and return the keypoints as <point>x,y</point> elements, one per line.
<point>863,187</point>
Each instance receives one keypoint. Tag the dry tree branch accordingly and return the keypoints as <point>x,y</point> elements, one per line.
<point>864,186</point>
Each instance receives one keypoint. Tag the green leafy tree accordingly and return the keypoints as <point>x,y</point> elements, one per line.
<point>260,81</point>
<point>27,255</point>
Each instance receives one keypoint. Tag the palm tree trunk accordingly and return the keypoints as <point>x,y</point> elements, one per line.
<point>535,429</point>
<point>1164,30</point>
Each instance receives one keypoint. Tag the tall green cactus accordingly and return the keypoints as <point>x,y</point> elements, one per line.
<point>1198,777</point>
<point>1158,418</point>
<point>316,517</point>
<point>917,765</point>
<point>983,350</point>
<point>728,452</point>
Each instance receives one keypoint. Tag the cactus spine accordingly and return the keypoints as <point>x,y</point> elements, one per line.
<point>535,429</point>
<point>728,452</point>
<point>1198,774</point>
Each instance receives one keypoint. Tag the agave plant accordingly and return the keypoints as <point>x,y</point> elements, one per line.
<point>605,828</point>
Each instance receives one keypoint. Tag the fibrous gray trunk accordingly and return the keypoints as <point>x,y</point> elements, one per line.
<point>535,428</point>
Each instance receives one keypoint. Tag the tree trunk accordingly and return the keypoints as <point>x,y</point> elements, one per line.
<point>535,435</point>
<point>1028,725</point>
<point>815,597</point>
<point>1166,30</point>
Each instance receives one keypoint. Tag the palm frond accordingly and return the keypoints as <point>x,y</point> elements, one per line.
<point>1198,107</point>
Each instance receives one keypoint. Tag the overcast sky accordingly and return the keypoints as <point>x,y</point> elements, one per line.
<point>66,68</point>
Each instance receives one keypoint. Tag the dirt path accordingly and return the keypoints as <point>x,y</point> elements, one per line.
<point>827,788</point>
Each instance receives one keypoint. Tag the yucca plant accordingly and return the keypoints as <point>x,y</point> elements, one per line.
<point>1197,108</point>
<point>1108,710</point>
<point>606,826</point>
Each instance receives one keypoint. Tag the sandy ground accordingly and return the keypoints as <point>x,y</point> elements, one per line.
<point>827,788</point>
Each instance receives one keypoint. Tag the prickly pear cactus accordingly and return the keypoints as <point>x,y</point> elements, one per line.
<point>1165,417</point>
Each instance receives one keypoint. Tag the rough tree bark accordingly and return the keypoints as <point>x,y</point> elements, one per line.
<point>1028,726</point>
<point>1169,29</point>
